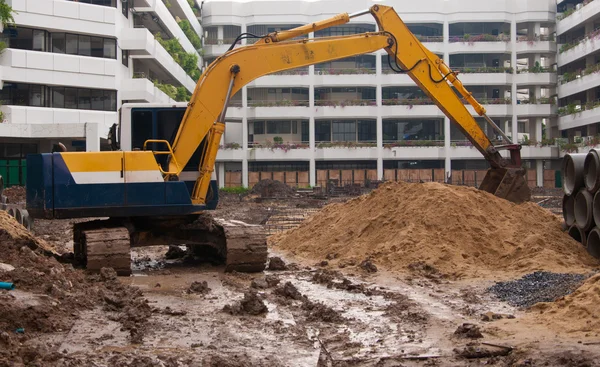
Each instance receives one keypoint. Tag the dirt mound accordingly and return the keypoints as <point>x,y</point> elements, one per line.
<point>15,194</point>
<point>49,295</point>
<point>272,189</point>
<point>460,231</point>
<point>578,311</point>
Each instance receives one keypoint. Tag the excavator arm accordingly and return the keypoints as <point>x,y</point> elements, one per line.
<point>204,119</point>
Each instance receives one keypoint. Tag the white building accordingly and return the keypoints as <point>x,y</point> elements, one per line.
<point>578,61</point>
<point>357,118</point>
<point>70,65</point>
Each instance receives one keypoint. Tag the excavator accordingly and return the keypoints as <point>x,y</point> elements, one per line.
<point>158,191</point>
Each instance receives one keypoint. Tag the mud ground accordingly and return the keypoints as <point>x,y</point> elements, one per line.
<point>306,315</point>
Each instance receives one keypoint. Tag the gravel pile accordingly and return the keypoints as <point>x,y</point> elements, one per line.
<point>537,287</point>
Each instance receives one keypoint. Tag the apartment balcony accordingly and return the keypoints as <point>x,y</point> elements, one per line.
<point>586,114</point>
<point>495,107</point>
<point>276,109</point>
<point>465,150</point>
<point>526,77</point>
<point>407,149</point>
<point>215,47</point>
<point>544,108</point>
<point>160,9</point>
<point>346,151</point>
<point>578,49</point>
<point>348,108</point>
<point>182,9</point>
<point>572,19</point>
<point>142,45</point>
<point>422,107</point>
<point>46,120</point>
<point>142,89</point>
<point>353,77</point>
<point>540,44</point>
<point>480,43</point>
<point>283,152</point>
<point>66,16</point>
<point>573,83</point>
<point>284,79</point>
<point>393,79</point>
<point>35,67</point>
<point>484,75</point>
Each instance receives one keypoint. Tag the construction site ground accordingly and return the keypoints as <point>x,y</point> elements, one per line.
<point>299,312</point>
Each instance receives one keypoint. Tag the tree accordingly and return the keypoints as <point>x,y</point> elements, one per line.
<point>6,14</point>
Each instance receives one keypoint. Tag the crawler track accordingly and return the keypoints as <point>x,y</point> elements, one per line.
<point>97,246</point>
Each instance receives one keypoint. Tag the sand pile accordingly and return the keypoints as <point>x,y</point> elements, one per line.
<point>459,231</point>
<point>578,311</point>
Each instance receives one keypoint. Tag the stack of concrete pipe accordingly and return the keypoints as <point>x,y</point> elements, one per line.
<point>581,202</point>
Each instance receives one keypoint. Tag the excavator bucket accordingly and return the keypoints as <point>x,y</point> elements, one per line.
<point>507,183</point>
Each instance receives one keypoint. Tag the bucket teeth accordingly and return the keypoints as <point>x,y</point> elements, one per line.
<point>507,183</point>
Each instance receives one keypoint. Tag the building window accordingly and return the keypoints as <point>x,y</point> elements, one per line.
<point>72,44</point>
<point>367,130</point>
<point>25,38</point>
<point>112,3</point>
<point>322,130</point>
<point>125,58</point>
<point>58,97</point>
<point>259,127</point>
<point>278,127</point>
<point>344,130</point>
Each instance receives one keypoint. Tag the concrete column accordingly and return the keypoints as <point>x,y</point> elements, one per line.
<point>379,146</point>
<point>220,34</point>
<point>92,137</point>
<point>244,29</point>
<point>311,134</point>
<point>539,172</point>
<point>513,63</point>
<point>446,32</point>
<point>447,149</point>
<point>221,174</point>
<point>312,173</point>
<point>245,172</point>
<point>538,129</point>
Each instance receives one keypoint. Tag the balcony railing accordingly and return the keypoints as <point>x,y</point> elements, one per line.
<point>483,69</point>
<point>412,143</point>
<point>543,100</point>
<point>351,102</point>
<point>346,144</point>
<point>570,76</point>
<point>285,146</point>
<point>235,103</point>
<point>573,108</point>
<point>407,102</point>
<point>490,101</point>
<point>593,35</point>
<point>532,39</point>
<point>292,72</point>
<point>280,103</point>
<point>345,71</point>
<point>569,12</point>
<point>225,41</point>
<point>472,38</point>
<point>430,38</point>
<point>535,70</point>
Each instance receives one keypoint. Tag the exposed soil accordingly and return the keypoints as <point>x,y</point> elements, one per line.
<point>272,189</point>
<point>460,231</point>
<point>15,194</point>
<point>340,307</point>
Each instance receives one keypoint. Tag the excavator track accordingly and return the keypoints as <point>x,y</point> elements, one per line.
<point>246,249</point>
<point>96,248</point>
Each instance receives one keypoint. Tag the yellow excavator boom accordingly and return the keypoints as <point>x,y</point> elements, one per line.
<point>205,115</point>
